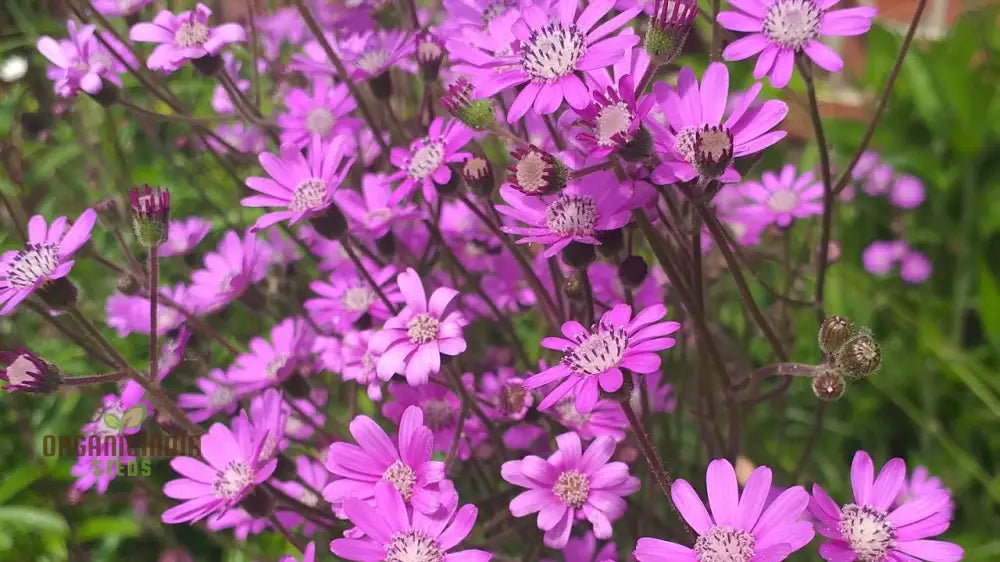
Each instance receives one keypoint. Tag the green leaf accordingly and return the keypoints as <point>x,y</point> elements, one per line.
<point>17,480</point>
<point>100,527</point>
<point>33,519</point>
<point>989,304</point>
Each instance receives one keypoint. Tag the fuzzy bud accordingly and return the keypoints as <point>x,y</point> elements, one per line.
<point>579,255</point>
<point>860,356</point>
<point>127,284</point>
<point>259,503</point>
<point>668,29</point>
<point>834,333</point>
<point>536,172</point>
<point>828,385</point>
<point>150,215</point>
<point>24,371</point>
<point>478,175</point>
<point>109,213</point>
<point>59,294</point>
<point>332,223</point>
<point>632,272</point>
<point>477,114</point>
<point>639,147</point>
<point>207,65</point>
<point>430,53</point>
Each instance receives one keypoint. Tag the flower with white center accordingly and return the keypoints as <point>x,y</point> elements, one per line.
<point>270,362</point>
<point>347,297</point>
<point>536,172</point>
<point>379,51</point>
<point>372,211</point>
<point>323,111</point>
<point>183,37</point>
<point>781,197</point>
<point>613,118</point>
<point>82,62</point>
<point>216,395</point>
<point>426,161</point>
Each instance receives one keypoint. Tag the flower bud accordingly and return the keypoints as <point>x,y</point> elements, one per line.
<point>59,295</point>
<point>478,175</point>
<point>579,255</point>
<point>612,242</point>
<point>860,356</point>
<point>834,333</point>
<point>207,65</point>
<point>713,151</point>
<point>668,29</point>
<point>297,386</point>
<point>127,284</point>
<point>259,503</point>
<point>332,223</point>
<point>26,372</point>
<point>108,213</point>
<point>639,147</point>
<point>632,272</point>
<point>536,172</point>
<point>430,53</point>
<point>477,114</point>
<point>572,288</point>
<point>150,215</point>
<point>828,386</point>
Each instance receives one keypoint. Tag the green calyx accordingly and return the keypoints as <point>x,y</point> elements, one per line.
<point>477,114</point>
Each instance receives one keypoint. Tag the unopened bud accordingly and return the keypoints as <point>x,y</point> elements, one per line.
<point>430,53</point>
<point>860,356</point>
<point>612,242</point>
<point>386,244</point>
<point>536,172</point>
<point>834,333</point>
<point>59,295</point>
<point>713,151</point>
<point>668,29</point>
<point>127,284</point>
<point>26,372</point>
<point>573,288</point>
<point>639,147</point>
<point>478,175</point>
<point>450,186</point>
<point>477,114</point>
<point>579,255</point>
<point>150,215</point>
<point>259,503</point>
<point>632,272</point>
<point>829,385</point>
<point>109,213</point>
<point>332,223</point>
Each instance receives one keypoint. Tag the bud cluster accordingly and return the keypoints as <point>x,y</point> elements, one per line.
<point>850,352</point>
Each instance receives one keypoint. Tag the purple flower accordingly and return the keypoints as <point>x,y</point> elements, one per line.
<point>697,142</point>
<point>303,186</point>
<point>661,397</point>
<point>606,418</point>
<point>268,363</point>
<point>308,556</point>
<point>608,287</point>
<point>45,259</point>
<point>229,271</point>
<point>554,45</point>
<point>907,192</point>
<point>922,486</point>
<point>315,477</point>
<point>407,465</point>
<point>879,257</point>
<point>378,52</point>
<point>783,197</point>
<point>442,412</point>
<point>119,7</point>
<point>183,37</point>
<point>781,28</point>
<point>81,62</point>
<point>412,341</point>
<point>130,314</point>
<point>358,363</point>
<point>571,484</point>
<point>239,138</point>
<point>394,533</point>
<point>475,14</point>
<point>594,359</point>
<point>879,181</point>
<point>865,530</point>
<point>584,549</point>
<point>269,415</point>
<point>426,161</point>
<point>24,371</point>
<point>116,405</point>
<point>221,102</point>
<point>323,112</point>
<point>347,297</point>
<point>742,527</point>
<point>234,469</point>
<point>217,395</point>
<point>915,268</point>
<point>183,235</point>
<point>377,207</point>
<point>613,117</point>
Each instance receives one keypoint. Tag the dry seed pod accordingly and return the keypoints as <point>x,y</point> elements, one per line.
<point>829,385</point>
<point>834,333</point>
<point>860,356</point>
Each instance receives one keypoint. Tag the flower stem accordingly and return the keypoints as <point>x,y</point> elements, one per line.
<point>779,370</point>
<point>95,379</point>
<point>154,312</point>
<point>286,533</point>
<point>345,242</point>
<point>588,295</point>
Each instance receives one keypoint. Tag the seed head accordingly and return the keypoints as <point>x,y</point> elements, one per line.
<point>259,503</point>
<point>579,255</point>
<point>612,241</point>
<point>633,271</point>
<point>828,386</point>
<point>860,356</point>
<point>834,333</point>
<point>713,151</point>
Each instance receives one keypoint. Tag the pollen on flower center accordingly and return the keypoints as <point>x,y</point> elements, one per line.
<point>191,34</point>
<point>319,121</point>
<point>357,299</point>
<point>684,143</point>
<point>31,265</point>
<point>572,215</point>
<point>438,414</point>
<point>229,483</point>
<point>426,159</point>
<point>309,194</point>
<point>601,351</point>
<point>612,120</point>
<point>402,477</point>
<point>552,52</point>
<point>373,62</point>
<point>868,531</point>
<point>782,201</point>
<point>221,396</point>
<point>413,546</point>
<point>725,544</point>
<point>572,488</point>
<point>530,172</point>
<point>792,23</point>
<point>422,328</point>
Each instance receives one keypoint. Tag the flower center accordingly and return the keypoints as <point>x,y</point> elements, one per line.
<point>402,477</point>
<point>714,144</point>
<point>22,370</point>
<point>512,398</point>
<point>572,215</point>
<point>612,120</point>
<point>319,121</point>
<point>309,194</point>
<point>684,143</point>
<point>271,371</point>
<point>413,546</point>
<point>426,159</point>
<point>378,216</point>
<point>429,51</point>
<point>782,201</point>
<point>601,351</point>
<point>422,328</point>
<point>724,544</point>
<point>229,483</point>
<point>552,52</point>
<point>191,34</point>
<point>531,173</point>
<point>438,414</point>
<point>566,411</point>
<point>372,62</point>
<point>31,265</point>
<point>792,23</point>
<point>308,498</point>
<point>221,397</point>
<point>572,488</point>
<point>357,299</point>
<point>868,531</point>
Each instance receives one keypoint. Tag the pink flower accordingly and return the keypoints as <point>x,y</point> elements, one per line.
<point>606,418</point>
<point>442,411</point>
<point>130,314</point>
<point>229,271</point>
<point>323,112</point>
<point>584,549</point>
<point>313,476</point>
<point>594,359</point>
<point>378,52</point>
<point>426,161</point>
<point>741,528</point>
<point>358,363</point>
<point>183,37</point>
<point>119,7</point>
<point>45,259</point>
<point>221,102</point>
<point>234,469</point>
<point>879,257</point>
<point>303,186</point>
<point>407,464</point>
<point>394,533</point>
<point>865,530</point>
<point>82,62</point>
<point>115,404</point>
<point>217,396</point>
<point>661,397</point>
<point>269,415</point>
<point>922,486</point>
<point>781,28</point>
<point>697,142</point>
<point>915,268</point>
<point>907,192</point>
<point>269,363</point>
<point>613,118</point>
<point>347,297</point>
<point>782,197</point>
<point>308,556</point>
<point>239,138</point>
<point>23,371</point>
<point>377,208</point>
<point>412,341</point>
<point>571,484</point>
<point>183,235</point>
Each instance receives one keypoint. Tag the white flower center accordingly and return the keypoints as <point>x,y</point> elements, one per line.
<point>319,121</point>
<point>378,216</point>
<point>308,498</point>
<point>309,194</point>
<point>191,34</point>
<point>413,546</point>
<point>724,544</point>
<point>271,371</point>
<point>230,482</point>
<point>221,397</point>
<point>782,201</point>
<point>22,370</point>
<point>552,52</point>
<point>438,414</point>
<point>601,351</point>
<point>612,120</point>
<point>684,143</point>
<point>792,23</point>
<point>566,411</point>
<point>572,215</point>
<point>429,51</point>
<point>373,62</point>
<point>357,299</point>
<point>422,328</point>
<point>402,477</point>
<point>426,159</point>
<point>714,144</point>
<point>867,531</point>
<point>531,173</point>
<point>31,265</point>
<point>572,488</point>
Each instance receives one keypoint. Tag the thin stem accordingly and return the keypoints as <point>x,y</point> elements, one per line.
<point>495,129</point>
<point>95,379</point>
<point>716,53</point>
<point>307,419</point>
<point>255,73</point>
<point>467,398</point>
<point>588,295</point>
<point>780,370</point>
<point>72,335</point>
<point>175,118</point>
<point>16,215</point>
<point>286,533</point>
<point>556,136</point>
<point>576,174</point>
<point>349,250</point>
<point>453,450</point>
<point>154,312</point>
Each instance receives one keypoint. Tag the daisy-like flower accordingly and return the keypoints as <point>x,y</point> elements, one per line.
<point>376,208</point>
<point>881,256</point>
<point>780,198</point>
<point>584,549</point>
<point>130,314</point>
<point>571,484</point>
<point>594,359</point>
<point>781,28</point>
<point>322,112</point>
<point>237,265</point>
<point>347,297</point>
<point>475,14</point>
<point>81,62</point>
<point>412,341</point>
<point>303,186</point>
<point>221,102</point>
<point>921,485</point>
<point>44,260</point>
<point>614,118</point>
<point>742,527</point>
<point>442,411</point>
<point>406,464</point>
<point>866,530</point>
<point>183,37</point>
<point>606,418</point>
<point>183,235</point>
<point>380,52</point>
<point>269,415</point>
<point>914,267</point>
<point>696,141</point>
<point>234,469</point>
<point>426,161</point>
<point>116,405</point>
<point>358,363</point>
<point>218,395</point>
<point>554,46</point>
<point>573,215</point>
<point>239,138</point>
<point>394,533</point>
<point>270,362</point>
<point>119,7</point>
